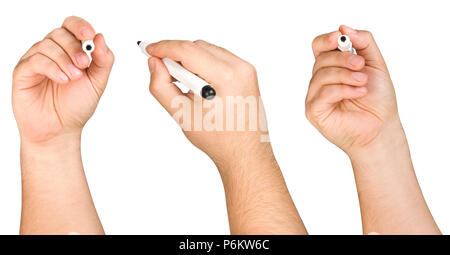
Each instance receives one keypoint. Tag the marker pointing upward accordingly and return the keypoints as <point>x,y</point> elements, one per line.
<point>344,44</point>
<point>188,79</point>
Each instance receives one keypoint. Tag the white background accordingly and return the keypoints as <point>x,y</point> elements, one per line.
<point>146,178</point>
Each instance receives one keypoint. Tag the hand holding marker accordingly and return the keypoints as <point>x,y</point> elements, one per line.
<point>190,80</point>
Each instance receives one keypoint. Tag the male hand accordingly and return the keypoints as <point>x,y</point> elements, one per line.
<point>55,91</point>
<point>215,130</point>
<point>351,98</point>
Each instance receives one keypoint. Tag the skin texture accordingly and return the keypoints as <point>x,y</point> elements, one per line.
<point>351,101</point>
<point>54,94</point>
<point>258,200</point>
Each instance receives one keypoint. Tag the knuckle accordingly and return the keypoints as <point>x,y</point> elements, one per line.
<point>187,45</point>
<point>40,46</point>
<point>47,44</point>
<point>315,66</point>
<point>320,57</point>
<point>322,73</point>
<point>314,42</point>
<point>310,112</point>
<point>154,90</point>
<point>368,34</point>
<point>55,32</point>
<point>69,19</point>
<point>35,45</point>
<point>151,89</point>
<point>247,69</point>
<point>308,109</point>
<point>200,42</point>
<point>112,56</point>
<point>16,70</point>
<point>315,77</point>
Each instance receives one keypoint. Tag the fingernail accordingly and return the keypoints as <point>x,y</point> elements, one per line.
<point>87,32</point>
<point>74,71</point>
<point>63,76</point>
<point>82,59</point>
<point>355,60</point>
<point>151,66</point>
<point>359,76</point>
<point>361,89</point>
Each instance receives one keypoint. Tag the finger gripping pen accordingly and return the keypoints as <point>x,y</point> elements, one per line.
<point>188,79</point>
<point>344,44</point>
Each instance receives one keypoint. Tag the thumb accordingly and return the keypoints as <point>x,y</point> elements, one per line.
<point>102,62</point>
<point>161,86</point>
<point>365,45</point>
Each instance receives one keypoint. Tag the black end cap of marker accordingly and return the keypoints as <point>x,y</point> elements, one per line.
<point>343,39</point>
<point>208,92</point>
<point>138,42</point>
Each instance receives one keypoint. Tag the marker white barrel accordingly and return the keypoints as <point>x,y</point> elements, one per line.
<point>88,46</point>
<point>188,79</point>
<point>344,44</point>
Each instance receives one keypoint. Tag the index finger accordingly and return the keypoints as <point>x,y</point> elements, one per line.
<point>325,42</point>
<point>192,57</point>
<point>80,28</point>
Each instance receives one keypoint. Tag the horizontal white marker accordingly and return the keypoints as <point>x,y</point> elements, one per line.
<point>188,79</point>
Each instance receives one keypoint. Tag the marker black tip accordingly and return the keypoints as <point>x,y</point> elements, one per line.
<point>345,44</point>
<point>138,42</point>
<point>208,92</point>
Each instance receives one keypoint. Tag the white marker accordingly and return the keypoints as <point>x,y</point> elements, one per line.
<point>344,44</point>
<point>88,47</point>
<point>188,79</point>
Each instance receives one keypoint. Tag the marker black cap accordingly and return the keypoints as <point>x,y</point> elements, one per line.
<point>208,92</point>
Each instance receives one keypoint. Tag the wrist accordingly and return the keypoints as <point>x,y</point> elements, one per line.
<point>237,154</point>
<point>389,151</point>
<point>60,154</point>
<point>391,138</point>
<point>255,161</point>
<point>60,144</point>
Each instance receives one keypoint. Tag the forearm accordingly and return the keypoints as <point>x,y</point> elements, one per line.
<point>390,196</point>
<point>55,193</point>
<point>258,200</point>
